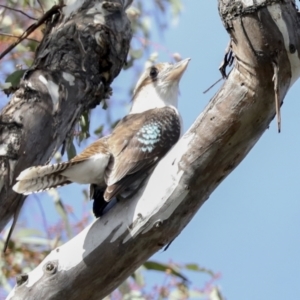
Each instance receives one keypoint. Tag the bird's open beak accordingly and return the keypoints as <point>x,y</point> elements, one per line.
<point>177,70</point>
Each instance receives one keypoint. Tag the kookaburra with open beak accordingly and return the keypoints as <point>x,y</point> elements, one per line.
<point>118,161</point>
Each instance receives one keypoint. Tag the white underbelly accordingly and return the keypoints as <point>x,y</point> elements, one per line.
<point>89,171</point>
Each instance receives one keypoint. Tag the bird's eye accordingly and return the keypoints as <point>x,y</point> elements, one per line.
<point>153,72</point>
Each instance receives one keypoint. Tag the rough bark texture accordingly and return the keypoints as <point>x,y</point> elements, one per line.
<point>83,50</point>
<point>264,34</point>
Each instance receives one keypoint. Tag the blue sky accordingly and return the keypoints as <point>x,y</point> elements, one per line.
<point>248,230</point>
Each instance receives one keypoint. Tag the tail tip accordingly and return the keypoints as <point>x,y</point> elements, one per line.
<point>18,188</point>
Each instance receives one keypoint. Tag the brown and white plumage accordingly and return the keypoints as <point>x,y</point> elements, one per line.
<point>113,164</point>
<point>147,138</point>
<point>80,169</point>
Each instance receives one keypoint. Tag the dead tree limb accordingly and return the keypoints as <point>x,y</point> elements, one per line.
<point>83,50</point>
<point>102,256</point>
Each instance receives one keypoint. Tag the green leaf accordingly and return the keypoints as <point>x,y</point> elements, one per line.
<point>35,241</point>
<point>4,283</point>
<point>104,104</point>
<point>85,126</point>
<point>71,151</point>
<point>86,195</point>
<point>129,63</point>
<point>176,294</point>
<point>136,54</point>
<point>32,45</point>
<point>134,295</point>
<point>197,294</point>
<point>99,130</point>
<point>85,122</point>
<point>15,78</point>
<point>176,7</point>
<point>124,288</point>
<point>24,232</point>
<point>152,265</point>
<point>195,267</point>
<point>215,294</point>
<point>57,157</point>
<point>114,124</point>
<point>138,277</point>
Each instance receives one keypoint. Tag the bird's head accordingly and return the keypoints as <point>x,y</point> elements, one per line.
<point>158,86</point>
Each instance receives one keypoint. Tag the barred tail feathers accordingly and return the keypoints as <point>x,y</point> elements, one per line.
<point>40,171</point>
<point>35,185</point>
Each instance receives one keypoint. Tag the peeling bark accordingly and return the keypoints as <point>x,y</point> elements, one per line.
<point>83,50</point>
<point>263,33</point>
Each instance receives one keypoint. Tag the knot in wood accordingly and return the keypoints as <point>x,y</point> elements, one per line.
<point>22,278</point>
<point>292,48</point>
<point>50,267</point>
<point>111,6</point>
<point>158,223</point>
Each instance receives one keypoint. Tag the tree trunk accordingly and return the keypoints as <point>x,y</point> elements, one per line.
<point>83,50</point>
<point>265,42</point>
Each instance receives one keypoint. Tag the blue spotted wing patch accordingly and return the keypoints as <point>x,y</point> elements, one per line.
<point>149,135</point>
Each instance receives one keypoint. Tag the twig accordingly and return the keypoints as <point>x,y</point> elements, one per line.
<point>31,28</point>
<point>41,6</point>
<point>12,227</point>
<point>212,85</point>
<point>276,90</point>
<point>15,36</point>
<point>19,11</point>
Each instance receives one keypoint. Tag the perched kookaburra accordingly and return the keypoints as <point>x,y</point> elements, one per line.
<point>115,164</point>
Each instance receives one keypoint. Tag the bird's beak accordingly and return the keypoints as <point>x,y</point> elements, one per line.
<point>176,71</point>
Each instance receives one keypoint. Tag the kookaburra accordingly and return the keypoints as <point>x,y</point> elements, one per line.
<point>115,163</point>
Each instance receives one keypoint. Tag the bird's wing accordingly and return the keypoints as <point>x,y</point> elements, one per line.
<point>136,145</point>
<point>99,146</point>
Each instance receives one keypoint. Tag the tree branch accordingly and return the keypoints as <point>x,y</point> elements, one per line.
<point>53,10</point>
<point>83,50</point>
<point>19,11</point>
<point>18,37</point>
<point>111,248</point>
